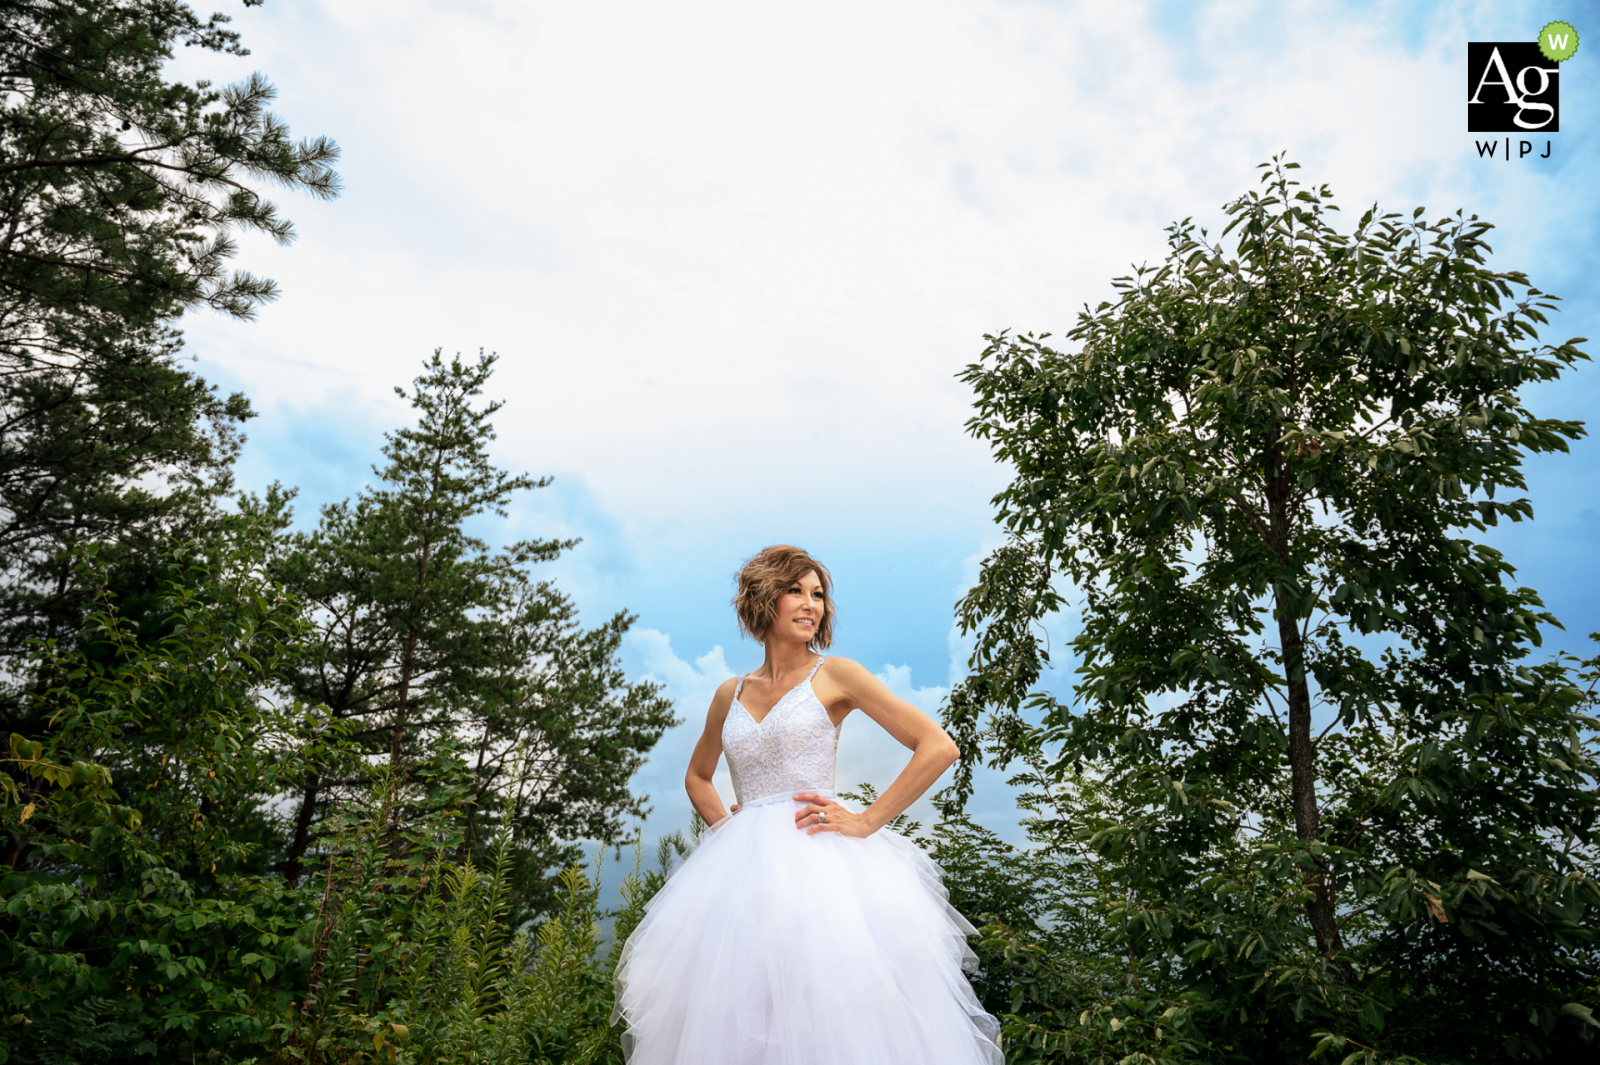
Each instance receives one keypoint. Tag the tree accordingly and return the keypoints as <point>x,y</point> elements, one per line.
<point>427,639</point>
<point>119,194</point>
<point>552,737</point>
<point>138,919</point>
<point>1347,806</point>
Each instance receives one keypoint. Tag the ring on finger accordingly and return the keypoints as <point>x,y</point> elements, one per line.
<point>822,816</point>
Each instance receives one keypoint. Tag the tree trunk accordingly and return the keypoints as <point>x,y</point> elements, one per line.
<point>294,865</point>
<point>1302,754</point>
<point>408,663</point>
<point>480,788</point>
<point>1303,785</point>
<point>397,742</point>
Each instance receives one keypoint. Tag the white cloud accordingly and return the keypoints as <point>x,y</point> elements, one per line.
<point>898,680</point>
<point>690,684</point>
<point>737,240</point>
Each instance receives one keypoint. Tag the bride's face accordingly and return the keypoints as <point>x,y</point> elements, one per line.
<point>800,610</point>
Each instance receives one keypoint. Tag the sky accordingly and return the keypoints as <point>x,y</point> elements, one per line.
<point>732,257</point>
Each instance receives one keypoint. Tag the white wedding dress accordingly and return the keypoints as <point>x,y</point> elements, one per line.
<point>770,946</point>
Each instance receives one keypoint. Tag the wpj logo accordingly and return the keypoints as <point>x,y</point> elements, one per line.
<point>1511,88</point>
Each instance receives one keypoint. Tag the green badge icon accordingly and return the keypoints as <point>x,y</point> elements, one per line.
<point>1558,41</point>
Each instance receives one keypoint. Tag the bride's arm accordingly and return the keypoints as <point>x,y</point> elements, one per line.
<point>703,763</point>
<point>849,685</point>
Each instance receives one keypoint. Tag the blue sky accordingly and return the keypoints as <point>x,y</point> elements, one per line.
<point>732,256</point>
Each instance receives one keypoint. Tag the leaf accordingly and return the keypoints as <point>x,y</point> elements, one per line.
<point>27,812</point>
<point>1436,907</point>
<point>1326,1041</point>
<point>1581,1012</point>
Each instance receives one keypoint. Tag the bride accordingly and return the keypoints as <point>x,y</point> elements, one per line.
<point>802,932</point>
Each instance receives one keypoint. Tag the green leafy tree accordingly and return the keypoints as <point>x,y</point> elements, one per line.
<point>1344,805</point>
<point>137,917</point>
<point>426,638</point>
<point>120,192</point>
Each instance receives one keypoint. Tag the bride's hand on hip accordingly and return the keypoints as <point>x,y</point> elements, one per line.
<point>825,815</point>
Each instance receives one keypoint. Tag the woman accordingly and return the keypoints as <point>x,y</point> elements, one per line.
<point>801,932</point>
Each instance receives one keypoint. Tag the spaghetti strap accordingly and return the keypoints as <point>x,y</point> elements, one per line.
<point>820,659</point>
<point>739,687</point>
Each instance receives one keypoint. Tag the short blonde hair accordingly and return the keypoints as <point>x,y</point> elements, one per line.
<point>761,583</point>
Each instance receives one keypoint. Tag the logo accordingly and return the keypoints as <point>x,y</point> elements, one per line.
<point>1558,41</point>
<point>1512,87</point>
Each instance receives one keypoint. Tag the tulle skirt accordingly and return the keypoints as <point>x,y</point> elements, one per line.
<point>773,947</point>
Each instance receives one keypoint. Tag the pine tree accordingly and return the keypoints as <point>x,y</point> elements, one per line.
<point>431,644</point>
<point>119,194</point>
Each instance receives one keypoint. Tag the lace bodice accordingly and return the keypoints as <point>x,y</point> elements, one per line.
<point>793,748</point>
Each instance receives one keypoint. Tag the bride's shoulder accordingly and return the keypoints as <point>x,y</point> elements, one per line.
<point>724,694</point>
<point>842,669</point>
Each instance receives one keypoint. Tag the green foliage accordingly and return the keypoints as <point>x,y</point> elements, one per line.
<point>1259,474</point>
<point>135,921</point>
<point>140,916</point>
<point>414,957</point>
<point>114,175</point>
<point>119,191</point>
<point>1048,966</point>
